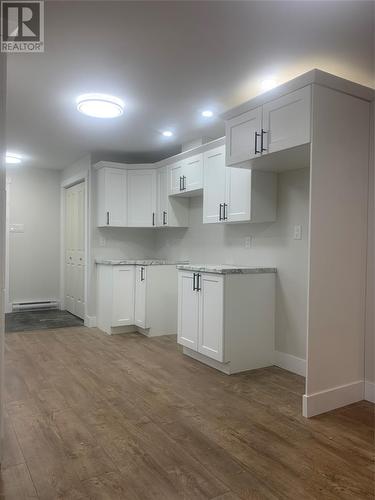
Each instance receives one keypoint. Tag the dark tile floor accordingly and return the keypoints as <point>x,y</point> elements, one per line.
<point>40,320</point>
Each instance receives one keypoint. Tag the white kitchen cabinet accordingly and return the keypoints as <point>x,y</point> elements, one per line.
<point>172,211</point>
<point>242,132</point>
<point>111,197</point>
<point>188,311</point>
<point>227,320</point>
<point>286,121</point>
<point>140,316</point>
<point>139,298</point>
<point>115,296</point>
<point>186,176</point>
<point>277,125</point>
<point>141,198</point>
<point>234,194</point>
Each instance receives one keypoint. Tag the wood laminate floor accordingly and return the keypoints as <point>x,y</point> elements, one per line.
<point>90,416</point>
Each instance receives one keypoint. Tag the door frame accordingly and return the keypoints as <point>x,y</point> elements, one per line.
<point>65,184</point>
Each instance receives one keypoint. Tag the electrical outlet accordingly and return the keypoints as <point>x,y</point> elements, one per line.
<point>297,235</point>
<point>248,242</point>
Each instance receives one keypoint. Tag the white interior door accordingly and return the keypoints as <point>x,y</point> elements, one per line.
<point>188,312</point>
<point>211,327</point>
<point>75,250</point>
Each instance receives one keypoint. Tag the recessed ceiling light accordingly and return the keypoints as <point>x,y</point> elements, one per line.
<point>167,133</point>
<point>12,159</point>
<point>268,84</point>
<point>207,113</point>
<point>100,105</point>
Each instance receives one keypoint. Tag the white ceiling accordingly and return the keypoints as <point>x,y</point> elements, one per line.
<point>168,61</point>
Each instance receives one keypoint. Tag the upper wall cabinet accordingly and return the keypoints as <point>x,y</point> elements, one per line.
<point>141,198</point>
<point>111,197</point>
<point>172,211</point>
<point>235,194</point>
<point>277,125</point>
<point>186,176</point>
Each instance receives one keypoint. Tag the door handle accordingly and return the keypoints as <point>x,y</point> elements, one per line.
<point>183,182</point>
<point>164,218</point>
<point>220,209</point>
<point>225,206</point>
<point>153,218</point>
<point>194,276</point>
<point>142,273</point>
<point>198,287</point>
<point>107,218</point>
<point>256,142</point>
<point>262,141</point>
<point>181,188</point>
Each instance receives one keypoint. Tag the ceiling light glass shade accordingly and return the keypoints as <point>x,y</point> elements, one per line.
<point>100,105</point>
<point>12,159</point>
<point>167,133</point>
<point>207,113</point>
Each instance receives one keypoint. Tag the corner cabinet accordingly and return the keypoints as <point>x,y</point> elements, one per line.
<point>111,197</point>
<point>141,198</point>
<point>139,298</point>
<point>278,125</point>
<point>235,194</point>
<point>227,320</point>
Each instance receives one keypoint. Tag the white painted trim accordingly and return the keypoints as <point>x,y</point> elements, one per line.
<point>290,363</point>
<point>330,399</point>
<point>7,300</point>
<point>90,321</point>
<point>370,391</point>
<point>71,181</point>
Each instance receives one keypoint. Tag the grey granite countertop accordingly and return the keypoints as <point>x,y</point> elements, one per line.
<point>225,269</point>
<point>136,262</point>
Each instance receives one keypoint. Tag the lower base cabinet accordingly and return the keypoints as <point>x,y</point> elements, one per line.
<point>137,298</point>
<point>227,320</point>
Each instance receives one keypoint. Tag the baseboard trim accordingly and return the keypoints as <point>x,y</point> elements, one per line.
<point>321,402</point>
<point>290,363</point>
<point>90,321</point>
<point>370,391</point>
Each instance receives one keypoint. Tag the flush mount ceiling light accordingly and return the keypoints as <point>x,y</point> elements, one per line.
<point>167,133</point>
<point>100,105</point>
<point>12,159</point>
<point>207,113</point>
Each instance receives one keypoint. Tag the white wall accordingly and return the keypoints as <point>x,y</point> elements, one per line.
<point>34,255</point>
<point>272,245</point>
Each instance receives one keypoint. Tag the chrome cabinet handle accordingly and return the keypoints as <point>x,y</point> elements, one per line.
<point>153,218</point>
<point>107,218</point>
<point>256,143</point>
<point>262,141</point>
<point>164,218</point>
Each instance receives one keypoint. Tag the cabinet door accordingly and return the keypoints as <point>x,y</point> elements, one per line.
<point>141,198</point>
<point>211,317</point>
<point>193,173</point>
<point>140,296</point>
<point>238,194</point>
<point>175,178</point>
<point>214,174</point>
<point>240,136</point>
<point>188,311</point>
<point>286,121</point>
<point>123,296</point>
<point>111,197</point>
